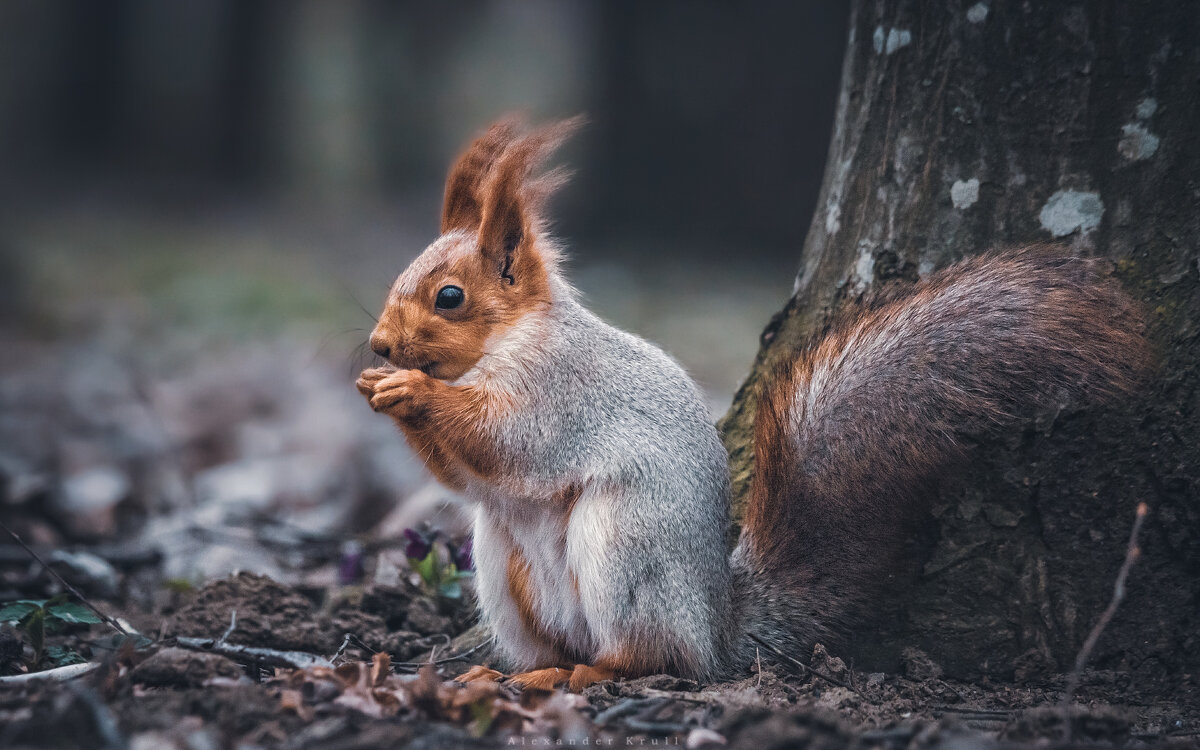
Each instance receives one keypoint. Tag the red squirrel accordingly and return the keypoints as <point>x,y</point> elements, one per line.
<point>601,486</point>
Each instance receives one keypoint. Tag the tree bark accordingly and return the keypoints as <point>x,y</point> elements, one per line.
<point>964,127</point>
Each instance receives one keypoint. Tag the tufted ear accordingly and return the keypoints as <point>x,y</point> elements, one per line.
<point>462,208</point>
<point>512,197</point>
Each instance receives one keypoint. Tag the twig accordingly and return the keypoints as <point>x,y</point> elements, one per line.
<point>623,708</point>
<point>87,603</point>
<point>232,626</point>
<point>1132,552</point>
<point>341,648</point>
<point>699,699</point>
<point>58,674</point>
<point>967,710</point>
<point>816,673</point>
<point>657,727</point>
<point>267,657</point>
<point>444,660</point>
<point>636,716</point>
<point>361,643</point>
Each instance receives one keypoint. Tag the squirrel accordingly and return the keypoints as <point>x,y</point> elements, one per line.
<point>601,487</point>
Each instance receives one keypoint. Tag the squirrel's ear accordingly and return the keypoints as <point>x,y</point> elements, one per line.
<point>512,198</point>
<point>463,207</point>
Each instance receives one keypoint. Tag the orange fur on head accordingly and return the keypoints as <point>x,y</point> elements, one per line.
<point>490,250</point>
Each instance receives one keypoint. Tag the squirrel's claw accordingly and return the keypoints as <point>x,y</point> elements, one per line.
<point>583,676</point>
<point>542,679</point>
<point>574,680</point>
<point>480,673</point>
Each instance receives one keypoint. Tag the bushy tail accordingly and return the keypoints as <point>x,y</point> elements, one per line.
<point>852,434</point>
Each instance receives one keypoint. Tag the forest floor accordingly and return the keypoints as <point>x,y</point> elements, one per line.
<point>192,683</point>
<point>180,440</point>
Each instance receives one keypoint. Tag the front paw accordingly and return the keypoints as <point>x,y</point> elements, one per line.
<point>400,393</point>
<point>369,378</point>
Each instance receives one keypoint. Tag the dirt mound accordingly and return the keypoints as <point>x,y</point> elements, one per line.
<point>269,615</point>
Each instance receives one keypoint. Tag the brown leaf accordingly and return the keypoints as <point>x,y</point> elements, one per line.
<point>291,700</point>
<point>381,668</point>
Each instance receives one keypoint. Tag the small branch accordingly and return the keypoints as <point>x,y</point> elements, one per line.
<point>267,657</point>
<point>437,662</point>
<point>699,699</point>
<point>816,673</point>
<point>341,648</point>
<point>968,711</point>
<point>232,626</point>
<point>1132,553</point>
<point>87,603</point>
<point>58,674</point>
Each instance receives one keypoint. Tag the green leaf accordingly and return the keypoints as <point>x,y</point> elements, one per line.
<point>14,611</point>
<point>34,625</point>
<point>178,585</point>
<point>426,568</point>
<point>60,656</point>
<point>73,612</point>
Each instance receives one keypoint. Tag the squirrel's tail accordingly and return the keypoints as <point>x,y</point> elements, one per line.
<point>851,435</point>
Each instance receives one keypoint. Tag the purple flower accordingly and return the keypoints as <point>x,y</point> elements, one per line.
<point>463,559</point>
<point>350,564</point>
<point>418,545</point>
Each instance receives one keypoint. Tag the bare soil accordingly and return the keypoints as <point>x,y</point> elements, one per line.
<point>375,693</point>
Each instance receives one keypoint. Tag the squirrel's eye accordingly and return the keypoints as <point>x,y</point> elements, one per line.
<point>448,298</point>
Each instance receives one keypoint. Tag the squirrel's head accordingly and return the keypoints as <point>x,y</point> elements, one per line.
<point>492,264</point>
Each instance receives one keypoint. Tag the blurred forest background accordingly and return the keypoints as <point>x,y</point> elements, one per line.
<point>201,203</point>
<point>309,140</point>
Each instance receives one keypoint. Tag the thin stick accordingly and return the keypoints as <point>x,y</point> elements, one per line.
<point>262,656</point>
<point>107,620</point>
<point>341,648</point>
<point>69,672</point>
<point>444,660</point>
<point>816,673</point>
<point>232,626</point>
<point>1132,552</point>
<point>973,711</point>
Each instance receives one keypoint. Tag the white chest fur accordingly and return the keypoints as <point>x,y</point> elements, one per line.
<point>533,577</point>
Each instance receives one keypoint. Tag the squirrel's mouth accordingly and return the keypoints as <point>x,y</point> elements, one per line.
<point>407,362</point>
<point>426,366</point>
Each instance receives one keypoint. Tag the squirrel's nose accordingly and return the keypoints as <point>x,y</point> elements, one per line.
<point>380,346</point>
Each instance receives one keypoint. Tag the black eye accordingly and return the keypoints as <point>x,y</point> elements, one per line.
<point>448,298</point>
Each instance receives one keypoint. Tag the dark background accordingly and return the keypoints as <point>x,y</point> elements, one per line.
<point>709,121</point>
<point>218,143</point>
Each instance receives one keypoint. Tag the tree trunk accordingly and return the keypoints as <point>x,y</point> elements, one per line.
<point>960,129</point>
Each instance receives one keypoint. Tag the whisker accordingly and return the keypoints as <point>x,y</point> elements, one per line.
<point>346,288</point>
<point>356,359</point>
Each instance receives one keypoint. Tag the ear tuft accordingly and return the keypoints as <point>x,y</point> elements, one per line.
<point>462,208</point>
<point>512,197</point>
